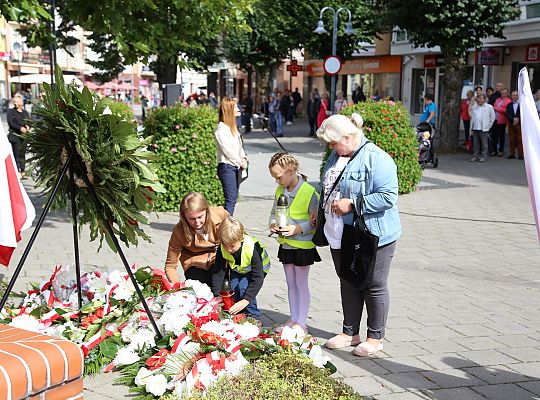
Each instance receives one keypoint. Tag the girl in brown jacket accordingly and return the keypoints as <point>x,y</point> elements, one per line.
<point>194,240</point>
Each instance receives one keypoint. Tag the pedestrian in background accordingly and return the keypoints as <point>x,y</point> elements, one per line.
<point>482,119</point>
<point>17,119</point>
<point>231,156</point>
<point>429,114</point>
<point>499,132</point>
<point>280,117</point>
<point>324,110</point>
<point>313,106</point>
<point>285,106</point>
<point>368,186</point>
<point>465,105</point>
<point>341,102</point>
<point>247,106</point>
<point>514,127</point>
<point>297,98</point>
<point>358,95</point>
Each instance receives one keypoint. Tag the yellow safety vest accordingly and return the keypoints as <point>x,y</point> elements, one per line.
<point>248,247</point>
<point>299,212</point>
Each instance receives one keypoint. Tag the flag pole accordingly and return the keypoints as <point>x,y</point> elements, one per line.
<point>75,231</point>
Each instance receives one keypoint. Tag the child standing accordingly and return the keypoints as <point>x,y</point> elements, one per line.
<point>244,261</point>
<point>296,251</point>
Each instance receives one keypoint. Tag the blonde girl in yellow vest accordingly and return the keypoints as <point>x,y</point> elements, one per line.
<point>296,251</point>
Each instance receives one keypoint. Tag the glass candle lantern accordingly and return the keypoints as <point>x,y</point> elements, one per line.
<point>282,211</point>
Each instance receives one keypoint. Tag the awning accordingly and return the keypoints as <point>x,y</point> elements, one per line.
<point>44,78</point>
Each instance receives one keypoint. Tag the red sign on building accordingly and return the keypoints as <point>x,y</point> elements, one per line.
<point>533,52</point>
<point>431,60</point>
<point>489,56</point>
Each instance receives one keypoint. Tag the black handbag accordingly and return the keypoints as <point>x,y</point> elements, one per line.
<point>358,253</point>
<point>319,238</point>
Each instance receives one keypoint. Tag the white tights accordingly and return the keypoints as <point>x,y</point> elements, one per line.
<point>298,291</point>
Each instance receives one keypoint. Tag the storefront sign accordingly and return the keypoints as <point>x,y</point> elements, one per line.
<point>361,65</point>
<point>533,52</point>
<point>143,82</point>
<point>489,56</point>
<point>432,60</point>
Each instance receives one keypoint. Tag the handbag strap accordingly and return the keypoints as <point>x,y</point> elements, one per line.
<point>338,179</point>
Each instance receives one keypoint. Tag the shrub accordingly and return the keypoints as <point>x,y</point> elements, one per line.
<point>183,138</point>
<point>279,376</point>
<point>119,107</point>
<point>387,124</point>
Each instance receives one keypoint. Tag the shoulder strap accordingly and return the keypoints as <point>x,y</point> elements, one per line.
<point>338,179</point>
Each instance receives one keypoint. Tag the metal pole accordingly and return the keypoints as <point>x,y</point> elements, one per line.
<point>35,233</point>
<point>52,45</point>
<point>334,49</point>
<point>75,231</point>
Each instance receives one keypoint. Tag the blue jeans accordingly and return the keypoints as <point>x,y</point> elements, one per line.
<point>228,175</point>
<point>279,123</point>
<point>240,283</point>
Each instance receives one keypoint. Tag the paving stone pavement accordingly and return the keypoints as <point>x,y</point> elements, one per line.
<point>464,284</point>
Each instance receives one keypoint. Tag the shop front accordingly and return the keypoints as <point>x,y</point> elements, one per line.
<point>379,76</point>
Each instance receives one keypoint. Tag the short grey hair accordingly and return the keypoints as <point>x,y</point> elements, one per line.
<point>336,127</point>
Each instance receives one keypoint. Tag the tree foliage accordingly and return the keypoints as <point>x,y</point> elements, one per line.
<point>280,26</point>
<point>456,27</point>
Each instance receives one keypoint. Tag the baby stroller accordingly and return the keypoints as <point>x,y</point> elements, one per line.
<point>426,148</point>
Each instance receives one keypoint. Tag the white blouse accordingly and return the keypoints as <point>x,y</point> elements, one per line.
<point>229,147</point>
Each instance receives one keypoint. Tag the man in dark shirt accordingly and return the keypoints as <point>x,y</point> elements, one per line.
<point>297,98</point>
<point>17,121</point>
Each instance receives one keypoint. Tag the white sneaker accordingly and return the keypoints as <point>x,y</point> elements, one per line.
<point>289,123</point>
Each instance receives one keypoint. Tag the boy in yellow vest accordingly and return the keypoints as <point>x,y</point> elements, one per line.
<point>242,260</point>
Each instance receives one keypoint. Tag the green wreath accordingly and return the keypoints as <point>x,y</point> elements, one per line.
<point>110,152</point>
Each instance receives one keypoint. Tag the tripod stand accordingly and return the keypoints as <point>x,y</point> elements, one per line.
<point>73,158</point>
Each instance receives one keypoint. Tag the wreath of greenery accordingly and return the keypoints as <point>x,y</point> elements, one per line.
<point>111,154</point>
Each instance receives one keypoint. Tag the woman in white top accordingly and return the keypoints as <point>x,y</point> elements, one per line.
<point>231,156</point>
<point>341,102</point>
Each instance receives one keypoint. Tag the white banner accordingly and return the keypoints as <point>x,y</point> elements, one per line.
<point>530,129</point>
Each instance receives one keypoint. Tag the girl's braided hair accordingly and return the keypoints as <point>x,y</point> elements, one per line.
<point>284,161</point>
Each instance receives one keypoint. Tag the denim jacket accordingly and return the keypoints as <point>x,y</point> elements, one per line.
<point>371,175</point>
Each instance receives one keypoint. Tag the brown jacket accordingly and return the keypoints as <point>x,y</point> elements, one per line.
<point>197,252</point>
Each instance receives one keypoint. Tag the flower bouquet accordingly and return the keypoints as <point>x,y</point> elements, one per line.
<point>200,342</point>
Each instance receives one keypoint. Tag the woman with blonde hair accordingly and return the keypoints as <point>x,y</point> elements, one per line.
<point>194,240</point>
<point>359,179</point>
<point>231,156</point>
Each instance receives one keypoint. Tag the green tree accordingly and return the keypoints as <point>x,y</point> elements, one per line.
<point>280,26</point>
<point>456,27</point>
<point>125,31</point>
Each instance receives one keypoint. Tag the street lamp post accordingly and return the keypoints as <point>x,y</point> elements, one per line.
<point>348,31</point>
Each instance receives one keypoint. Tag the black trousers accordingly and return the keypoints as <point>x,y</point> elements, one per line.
<point>19,153</point>
<point>200,275</point>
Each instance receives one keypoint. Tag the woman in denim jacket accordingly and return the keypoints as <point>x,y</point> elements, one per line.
<point>368,186</point>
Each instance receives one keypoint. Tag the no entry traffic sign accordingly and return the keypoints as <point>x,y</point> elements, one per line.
<point>332,65</point>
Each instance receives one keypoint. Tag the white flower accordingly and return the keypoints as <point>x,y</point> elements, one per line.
<point>27,322</point>
<point>143,338</point>
<point>235,366</point>
<point>270,341</point>
<point>107,111</point>
<point>156,384</point>
<point>125,288</point>
<point>129,332</point>
<point>183,302</point>
<point>55,330</point>
<point>206,375</point>
<point>126,356</point>
<point>141,376</point>
<point>246,330</point>
<point>202,291</point>
<point>173,322</point>
<point>317,357</point>
<point>291,335</point>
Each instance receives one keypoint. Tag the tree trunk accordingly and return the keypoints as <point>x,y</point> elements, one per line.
<point>451,85</point>
<point>165,70</point>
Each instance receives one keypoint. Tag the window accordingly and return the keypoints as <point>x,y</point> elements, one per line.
<point>400,35</point>
<point>532,11</point>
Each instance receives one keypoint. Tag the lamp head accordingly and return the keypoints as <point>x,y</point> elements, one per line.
<point>349,30</point>
<point>320,28</point>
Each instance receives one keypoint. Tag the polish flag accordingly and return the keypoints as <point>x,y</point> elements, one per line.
<point>530,131</point>
<point>16,210</point>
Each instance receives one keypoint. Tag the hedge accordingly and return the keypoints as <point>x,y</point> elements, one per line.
<point>183,137</point>
<point>281,376</point>
<point>387,124</point>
